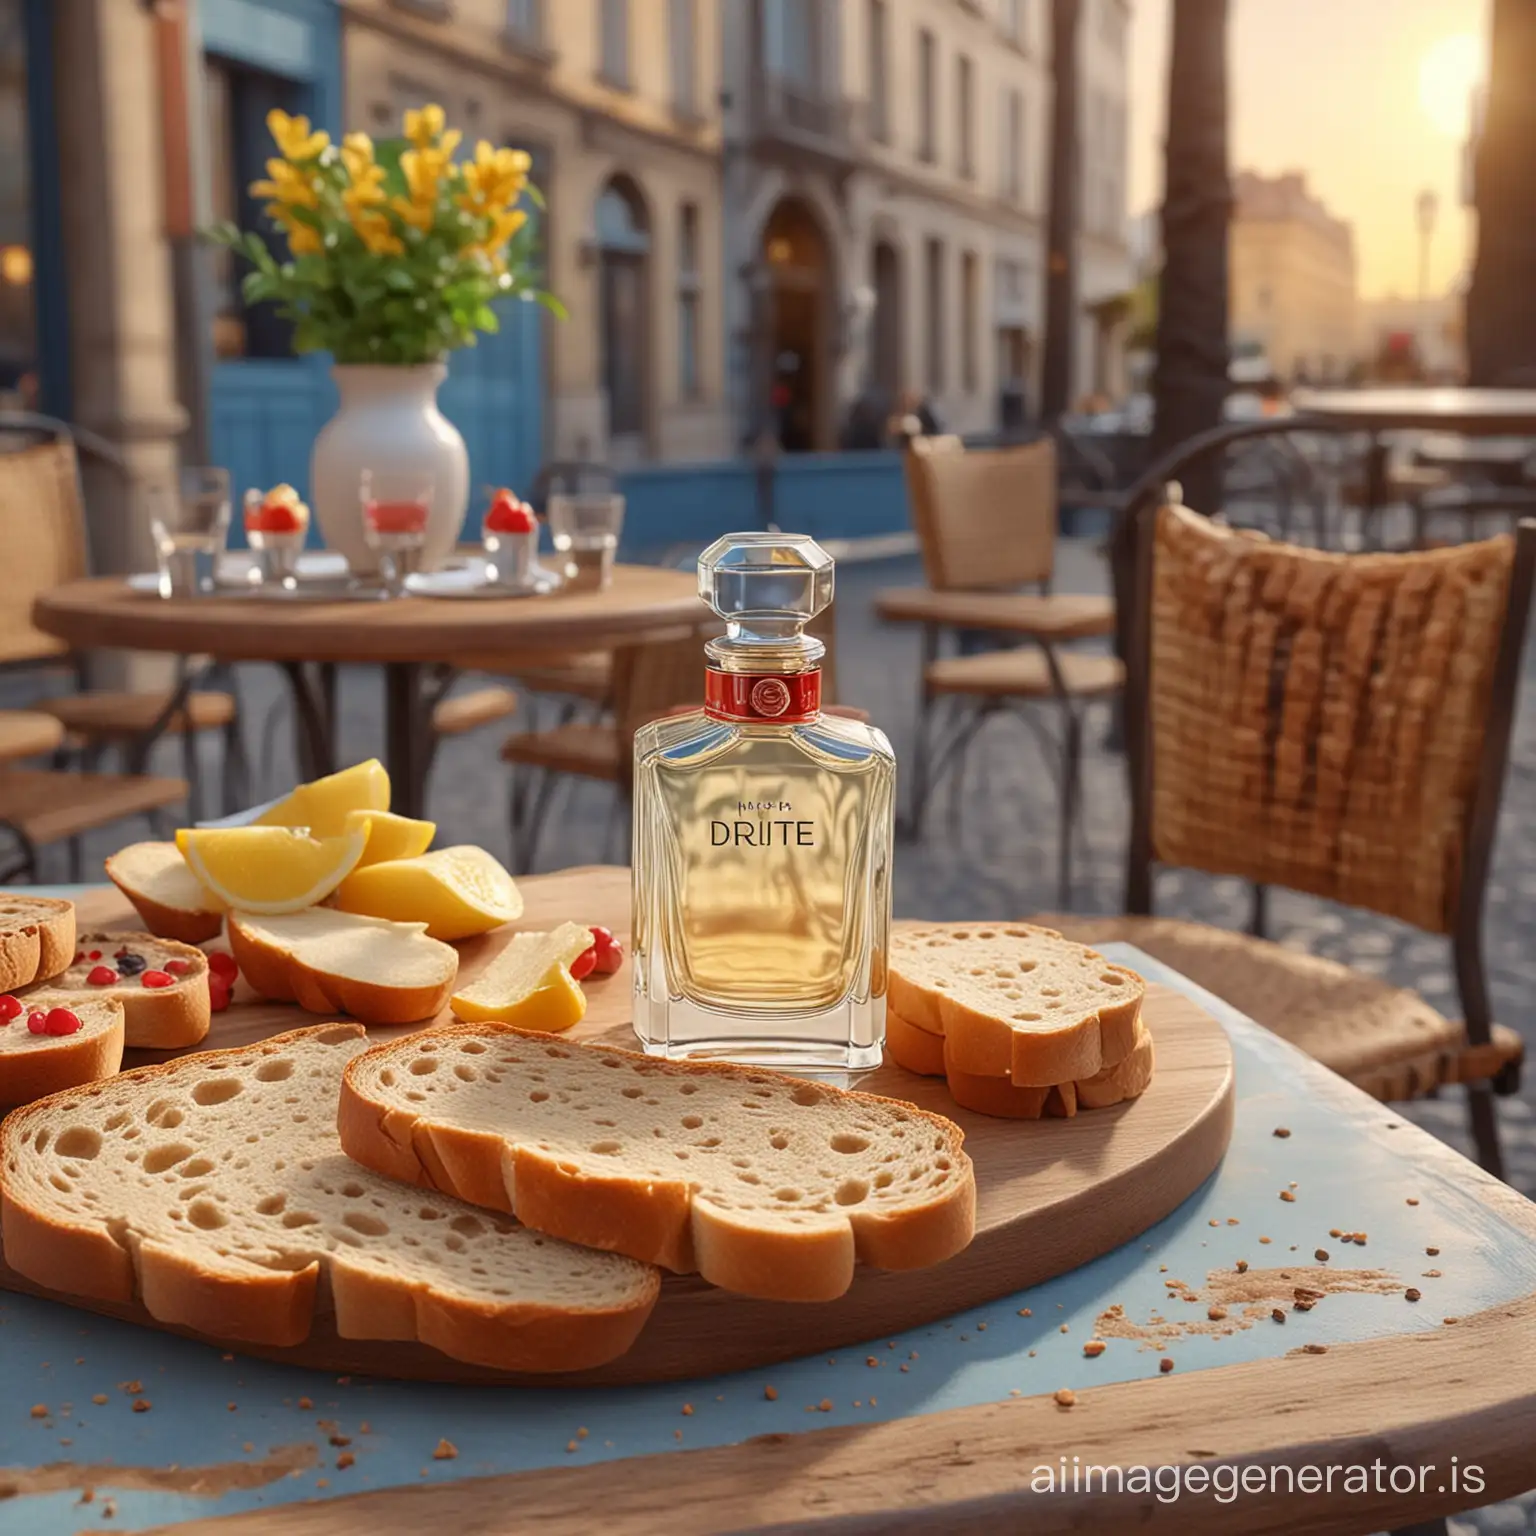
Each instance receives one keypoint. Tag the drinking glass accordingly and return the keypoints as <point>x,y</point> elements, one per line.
<point>190,526</point>
<point>585,527</point>
<point>276,531</point>
<point>395,510</point>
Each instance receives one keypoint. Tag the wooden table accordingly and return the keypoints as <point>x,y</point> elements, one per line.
<point>409,638</point>
<point>961,1440</point>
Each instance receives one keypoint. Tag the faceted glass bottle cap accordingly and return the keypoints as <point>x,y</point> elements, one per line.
<point>766,582</point>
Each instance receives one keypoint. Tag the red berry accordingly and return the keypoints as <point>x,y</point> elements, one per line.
<point>156,979</point>
<point>601,936</point>
<point>102,976</point>
<point>63,1021</point>
<point>509,517</point>
<point>178,967</point>
<point>583,964</point>
<point>95,954</point>
<point>218,999</point>
<point>609,957</point>
<point>37,1023</point>
<point>10,1008</point>
<point>222,963</point>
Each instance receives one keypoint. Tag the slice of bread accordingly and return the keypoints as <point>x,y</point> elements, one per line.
<point>212,1190</point>
<point>997,1097</point>
<point>1015,1001</point>
<point>158,1018</point>
<point>33,1066</point>
<point>172,902</point>
<point>1127,1079</point>
<point>765,1184</point>
<point>918,1050</point>
<point>334,962</point>
<point>37,939</point>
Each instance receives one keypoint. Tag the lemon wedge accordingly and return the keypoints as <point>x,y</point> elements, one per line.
<point>322,805</point>
<point>457,892</point>
<point>529,984</point>
<point>391,836</point>
<point>270,869</point>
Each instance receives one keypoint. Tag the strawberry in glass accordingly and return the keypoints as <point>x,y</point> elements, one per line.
<point>510,538</point>
<point>276,525</point>
<point>395,512</point>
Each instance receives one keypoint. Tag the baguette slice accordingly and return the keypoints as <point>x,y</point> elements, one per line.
<point>334,962</point>
<point>765,1184</point>
<point>1127,1079</point>
<point>997,1097</point>
<point>37,939</point>
<point>33,1066</point>
<point>172,902</point>
<point>164,1018</point>
<point>916,1049</point>
<point>212,1190</point>
<point>1015,1001</point>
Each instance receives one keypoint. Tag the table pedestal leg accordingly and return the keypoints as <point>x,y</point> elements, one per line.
<point>407,737</point>
<point>314,708</point>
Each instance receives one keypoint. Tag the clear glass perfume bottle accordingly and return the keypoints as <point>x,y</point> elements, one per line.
<point>763,833</point>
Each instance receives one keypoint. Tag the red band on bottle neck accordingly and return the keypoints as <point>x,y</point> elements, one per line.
<point>770,698</point>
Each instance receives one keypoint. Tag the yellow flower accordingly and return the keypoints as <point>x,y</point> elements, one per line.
<point>423,170</point>
<point>293,137</point>
<point>422,127</point>
<point>288,184</point>
<point>357,155</point>
<point>504,227</point>
<point>494,178</point>
<point>377,234</point>
<point>303,240</point>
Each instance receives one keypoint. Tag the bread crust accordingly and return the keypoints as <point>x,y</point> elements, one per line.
<point>1127,1079</point>
<point>64,1062</point>
<point>186,927</point>
<point>661,1221</point>
<point>37,939</point>
<point>915,1049</point>
<point>249,1303</point>
<point>278,974</point>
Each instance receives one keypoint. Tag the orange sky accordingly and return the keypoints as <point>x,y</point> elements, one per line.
<point>1340,90</point>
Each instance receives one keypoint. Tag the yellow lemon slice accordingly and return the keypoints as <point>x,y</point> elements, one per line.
<point>391,836</point>
<point>457,892</point>
<point>529,983</point>
<point>322,806</point>
<point>270,869</point>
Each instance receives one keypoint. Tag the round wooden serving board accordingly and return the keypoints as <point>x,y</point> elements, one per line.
<point>1052,1194</point>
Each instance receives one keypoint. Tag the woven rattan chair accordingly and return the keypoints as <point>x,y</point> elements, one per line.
<point>42,530</point>
<point>986,523</point>
<point>1338,725</point>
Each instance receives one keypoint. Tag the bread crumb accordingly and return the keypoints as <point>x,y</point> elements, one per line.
<point>1321,1255</point>
<point>772,1393</point>
<point>1265,1239</point>
<point>1063,1327</point>
<point>825,1405</point>
<point>1065,1397</point>
<point>1314,1349</point>
<point>1434,1253</point>
<point>339,1440</point>
<point>981,1327</point>
<point>1282,1132</point>
<point>1025,1312</point>
<point>1213,1222</point>
<point>1165,1365</point>
<point>365,1428</point>
<point>858,1402</point>
<point>1431,1274</point>
<point>1093,1348</point>
<point>131,1388</point>
<point>108,1509</point>
<point>304,1402</point>
<point>1242,1266</point>
<point>232,1407</point>
<point>248,1447</point>
<point>39,1410</point>
<point>87,1496</point>
<point>1411,1200</point>
<point>1032,1354</point>
<point>1411,1294</point>
<point>1014,1392</point>
<point>446,1451</point>
<point>1232,1221</point>
<point>570,1445</point>
<point>1277,1314</point>
<point>1216,1314</point>
<point>581,1432</point>
<point>871,1360</point>
<point>1288,1197</point>
<point>322,1482</point>
<point>874,1402</point>
<point>905,1366</point>
<point>687,1410</point>
<point>142,1405</point>
<point>1450,1322</point>
<point>345,1460</point>
<point>100,1398</point>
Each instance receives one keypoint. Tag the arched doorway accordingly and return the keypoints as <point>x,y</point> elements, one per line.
<point>885,340</point>
<point>623,251</point>
<point>797,328</point>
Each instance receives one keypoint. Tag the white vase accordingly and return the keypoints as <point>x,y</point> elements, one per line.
<point>389,424</point>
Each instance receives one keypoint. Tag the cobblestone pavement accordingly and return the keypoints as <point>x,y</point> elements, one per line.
<point>990,851</point>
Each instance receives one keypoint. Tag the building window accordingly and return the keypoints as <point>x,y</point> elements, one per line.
<point>965,73</point>
<point>879,67</point>
<point>1012,18</point>
<point>793,42</point>
<point>623,244</point>
<point>685,86</point>
<point>1012,156</point>
<point>613,42</point>
<point>933,253</point>
<point>688,300</point>
<point>525,22</point>
<point>970,319</point>
<point>927,96</point>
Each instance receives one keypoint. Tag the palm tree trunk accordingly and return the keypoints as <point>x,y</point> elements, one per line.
<point>1061,216</point>
<point>1190,381</point>
<point>1501,317</point>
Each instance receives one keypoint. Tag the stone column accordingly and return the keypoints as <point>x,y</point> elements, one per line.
<point>117,270</point>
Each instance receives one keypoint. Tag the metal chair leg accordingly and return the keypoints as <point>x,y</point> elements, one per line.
<point>1484,1118</point>
<point>77,859</point>
<point>1258,912</point>
<point>1071,764</point>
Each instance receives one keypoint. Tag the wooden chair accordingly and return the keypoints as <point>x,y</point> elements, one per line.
<point>42,530</point>
<point>986,524</point>
<point>1338,725</point>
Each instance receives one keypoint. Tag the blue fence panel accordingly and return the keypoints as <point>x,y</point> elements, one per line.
<point>841,496</point>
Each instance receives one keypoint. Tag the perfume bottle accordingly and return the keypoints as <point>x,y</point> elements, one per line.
<point>762,838</point>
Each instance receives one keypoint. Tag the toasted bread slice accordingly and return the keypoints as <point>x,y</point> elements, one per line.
<point>998,1097</point>
<point>158,1016</point>
<point>37,939</point>
<point>212,1191</point>
<point>171,901</point>
<point>916,1049</point>
<point>1015,1001</point>
<point>765,1184</point>
<point>1127,1079</point>
<point>34,1066</point>
<point>334,962</point>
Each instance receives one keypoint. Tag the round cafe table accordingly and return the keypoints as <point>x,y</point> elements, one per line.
<point>417,641</point>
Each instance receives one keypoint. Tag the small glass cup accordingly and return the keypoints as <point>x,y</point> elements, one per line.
<point>276,530</point>
<point>190,528</point>
<point>585,527</point>
<point>509,538</point>
<point>395,512</point>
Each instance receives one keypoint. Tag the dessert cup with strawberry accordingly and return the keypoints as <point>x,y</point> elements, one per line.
<point>276,526</point>
<point>510,538</point>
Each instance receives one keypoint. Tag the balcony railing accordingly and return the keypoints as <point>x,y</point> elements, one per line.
<point>794,115</point>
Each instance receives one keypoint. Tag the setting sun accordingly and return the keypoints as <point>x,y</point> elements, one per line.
<point>1447,74</point>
